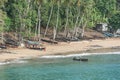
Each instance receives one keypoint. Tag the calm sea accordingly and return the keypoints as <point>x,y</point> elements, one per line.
<point>99,67</point>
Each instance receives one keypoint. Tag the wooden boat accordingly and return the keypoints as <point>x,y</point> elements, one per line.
<point>2,46</point>
<point>49,41</point>
<point>34,45</point>
<point>79,59</point>
<point>39,48</point>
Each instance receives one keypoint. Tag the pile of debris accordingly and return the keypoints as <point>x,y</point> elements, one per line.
<point>8,40</point>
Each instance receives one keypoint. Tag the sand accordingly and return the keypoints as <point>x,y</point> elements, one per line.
<point>60,48</point>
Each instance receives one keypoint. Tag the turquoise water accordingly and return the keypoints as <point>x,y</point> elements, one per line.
<point>99,67</point>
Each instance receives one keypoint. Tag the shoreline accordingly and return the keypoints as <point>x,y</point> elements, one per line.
<point>80,47</point>
<point>51,56</point>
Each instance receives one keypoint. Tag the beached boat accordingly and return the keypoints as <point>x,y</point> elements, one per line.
<point>2,46</point>
<point>34,45</point>
<point>79,59</point>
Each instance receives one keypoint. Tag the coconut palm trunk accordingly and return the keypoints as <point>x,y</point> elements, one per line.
<point>67,12</point>
<point>55,28</point>
<point>48,21</point>
<point>2,37</point>
<point>39,22</point>
<point>83,29</point>
<point>76,23</point>
<point>54,33</point>
<point>36,28</point>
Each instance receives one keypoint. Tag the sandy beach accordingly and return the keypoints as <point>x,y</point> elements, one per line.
<point>60,48</point>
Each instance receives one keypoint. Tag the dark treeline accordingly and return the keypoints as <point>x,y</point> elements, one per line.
<point>28,16</point>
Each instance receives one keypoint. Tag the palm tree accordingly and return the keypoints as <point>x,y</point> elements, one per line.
<point>39,3</point>
<point>57,21</point>
<point>51,11</point>
<point>87,6</point>
<point>67,3</point>
<point>77,18</point>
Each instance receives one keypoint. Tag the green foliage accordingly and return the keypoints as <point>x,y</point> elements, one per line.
<point>2,15</point>
<point>7,24</point>
<point>2,20</point>
<point>22,15</point>
<point>115,21</point>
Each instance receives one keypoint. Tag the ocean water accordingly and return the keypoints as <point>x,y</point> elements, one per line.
<point>99,67</point>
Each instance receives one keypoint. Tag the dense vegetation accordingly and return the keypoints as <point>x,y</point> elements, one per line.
<point>28,16</point>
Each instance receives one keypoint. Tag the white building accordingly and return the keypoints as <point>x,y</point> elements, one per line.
<point>102,27</point>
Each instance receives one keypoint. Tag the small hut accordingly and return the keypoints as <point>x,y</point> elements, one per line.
<point>118,31</point>
<point>102,27</point>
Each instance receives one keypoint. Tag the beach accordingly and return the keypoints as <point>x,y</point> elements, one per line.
<point>62,48</point>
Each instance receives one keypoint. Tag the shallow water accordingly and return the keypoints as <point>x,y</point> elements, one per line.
<point>99,67</point>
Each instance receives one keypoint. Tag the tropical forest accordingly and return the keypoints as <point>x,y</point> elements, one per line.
<point>57,19</point>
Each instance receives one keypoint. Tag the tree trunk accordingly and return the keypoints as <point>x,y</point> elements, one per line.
<point>2,35</point>
<point>74,32</point>
<point>48,21</point>
<point>83,29</point>
<point>54,33</point>
<point>39,22</point>
<point>79,25</point>
<point>67,11</point>
<point>36,28</point>
<point>20,23</point>
<point>75,26</point>
<point>28,6</point>
<point>81,19</point>
<point>56,22</point>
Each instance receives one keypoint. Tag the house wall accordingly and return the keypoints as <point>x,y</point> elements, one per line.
<point>102,27</point>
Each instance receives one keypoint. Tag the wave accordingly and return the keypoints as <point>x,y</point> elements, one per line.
<point>12,62</point>
<point>19,61</point>
<point>24,60</point>
<point>3,63</point>
<point>74,55</point>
